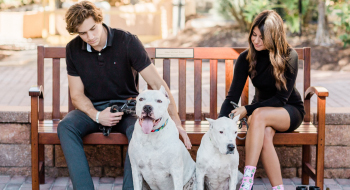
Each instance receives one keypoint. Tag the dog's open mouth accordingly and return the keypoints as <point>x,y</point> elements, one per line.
<point>147,123</point>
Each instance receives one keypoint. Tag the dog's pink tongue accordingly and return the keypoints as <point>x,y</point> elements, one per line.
<point>147,125</point>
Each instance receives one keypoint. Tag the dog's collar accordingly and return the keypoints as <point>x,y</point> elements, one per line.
<point>155,130</point>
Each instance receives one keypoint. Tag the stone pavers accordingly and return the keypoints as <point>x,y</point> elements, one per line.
<point>61,183</point>
<point>107,183</point>
<point>343,182</point>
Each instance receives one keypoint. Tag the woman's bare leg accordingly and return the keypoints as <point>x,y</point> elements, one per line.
<point>262,125</point>
<point>277,118</point>
<point>270,159</point>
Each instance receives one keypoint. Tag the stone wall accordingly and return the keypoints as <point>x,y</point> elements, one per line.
<point>106,160</point>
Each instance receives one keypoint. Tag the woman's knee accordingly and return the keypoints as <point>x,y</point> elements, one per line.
<point>258,115</point>
<point>269,133</point>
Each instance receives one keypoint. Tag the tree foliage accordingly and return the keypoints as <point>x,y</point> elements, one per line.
<point>341,9</point>
<point>244,11</point>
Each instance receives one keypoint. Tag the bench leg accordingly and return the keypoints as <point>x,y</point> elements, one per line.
<point>41,164</point>
<point>35,165</point>
<point>306,158</point>
<point>320,165</point>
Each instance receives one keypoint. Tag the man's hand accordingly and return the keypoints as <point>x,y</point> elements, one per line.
<point>106,118</point>
<point>185,137</point>
<point>240,111</point>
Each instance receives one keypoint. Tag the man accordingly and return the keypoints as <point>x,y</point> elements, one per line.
<point>103,65</point>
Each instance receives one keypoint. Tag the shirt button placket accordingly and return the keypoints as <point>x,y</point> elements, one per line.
<point>100,59</point>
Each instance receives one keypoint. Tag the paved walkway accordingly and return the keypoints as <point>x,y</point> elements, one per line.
<point>17,77</point>
<point>105,183</point>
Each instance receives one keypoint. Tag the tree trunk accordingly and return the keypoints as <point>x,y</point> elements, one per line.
<point>322,34</point>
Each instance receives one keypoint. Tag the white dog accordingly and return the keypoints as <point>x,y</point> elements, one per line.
<point>217,156</point>
<point>157,155</point>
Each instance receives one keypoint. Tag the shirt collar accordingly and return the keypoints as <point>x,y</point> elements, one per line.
<point>109,41</point>
<point>88,47</point>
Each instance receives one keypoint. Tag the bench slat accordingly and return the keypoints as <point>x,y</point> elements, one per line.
<point>229,75</point>
<point>197,90</point>
<point>182,89</point>
<point>213,88</point>
<point>199,52</point>
<point>166,71</point>
<point>245,94</point>
<point>41,52</point>
<point>307,82</point>
<point>55,52</point>
<point>206,52</point>
<point>306,134</point>
<point>56,89</point>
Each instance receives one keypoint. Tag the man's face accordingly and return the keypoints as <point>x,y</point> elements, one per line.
<point>91,32</point>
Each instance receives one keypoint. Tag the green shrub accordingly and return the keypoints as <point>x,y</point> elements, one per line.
<point>288,10</point>
<point>341,9</point>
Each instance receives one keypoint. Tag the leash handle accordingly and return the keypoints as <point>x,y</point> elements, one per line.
<point>128,108</point>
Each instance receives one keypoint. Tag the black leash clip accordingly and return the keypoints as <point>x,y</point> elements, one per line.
<point>128,108</point>
<point>240,125</point>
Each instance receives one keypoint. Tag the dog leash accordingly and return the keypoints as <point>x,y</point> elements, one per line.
<point>128,107</point>
<point>241,121</point>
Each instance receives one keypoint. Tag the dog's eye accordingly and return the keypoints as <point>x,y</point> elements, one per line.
<point>236,132</point>
<point>159,101</point>
<point>221,132</point>
<point>141,99</point>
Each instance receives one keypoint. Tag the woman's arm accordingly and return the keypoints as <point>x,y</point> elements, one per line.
<point>239,79</point>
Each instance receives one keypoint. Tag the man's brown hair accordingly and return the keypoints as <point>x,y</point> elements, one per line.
<point>77,13</point>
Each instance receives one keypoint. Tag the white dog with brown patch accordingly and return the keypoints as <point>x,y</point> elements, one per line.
<point>217,157</point>
<point>157,155</point>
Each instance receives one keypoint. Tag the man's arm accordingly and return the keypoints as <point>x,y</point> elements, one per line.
<point>152,77</point>
<point>84,104</point>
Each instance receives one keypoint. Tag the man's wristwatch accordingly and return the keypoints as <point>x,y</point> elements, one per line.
<point>98,113</point>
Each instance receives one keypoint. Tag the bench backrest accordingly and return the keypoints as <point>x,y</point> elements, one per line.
<point>199,53</point>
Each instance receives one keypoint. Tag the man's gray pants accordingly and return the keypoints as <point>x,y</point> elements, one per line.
<point>72,129</point>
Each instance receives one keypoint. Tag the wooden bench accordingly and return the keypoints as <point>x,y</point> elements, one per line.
<point>45,131</point>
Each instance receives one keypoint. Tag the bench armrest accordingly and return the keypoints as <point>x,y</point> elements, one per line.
<point>36,91</point>
<point>318,90</point>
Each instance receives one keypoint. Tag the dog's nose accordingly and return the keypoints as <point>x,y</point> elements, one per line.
<point>230,147</point>
<point>147,108</point>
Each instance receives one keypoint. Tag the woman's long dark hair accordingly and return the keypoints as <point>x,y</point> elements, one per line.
<point>271,28</point>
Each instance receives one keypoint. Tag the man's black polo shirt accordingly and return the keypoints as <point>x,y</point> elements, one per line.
<point>112,73</point>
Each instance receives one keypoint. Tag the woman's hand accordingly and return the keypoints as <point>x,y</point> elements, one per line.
<point>240,111</point>
<point>186,139</point>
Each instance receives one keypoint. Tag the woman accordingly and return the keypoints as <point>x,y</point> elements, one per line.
<point>272,65</point>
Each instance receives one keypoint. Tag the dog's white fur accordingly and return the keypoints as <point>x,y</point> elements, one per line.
<point>159,158</point>
<point>216,164</point>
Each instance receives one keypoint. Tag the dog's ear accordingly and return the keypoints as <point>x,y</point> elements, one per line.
<point>162,89</point>
<point>210,122</point>
<point>235,119</point>
<point>145,88</point>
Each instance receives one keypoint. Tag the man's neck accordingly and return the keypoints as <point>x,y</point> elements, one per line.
<point>103,40</point>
